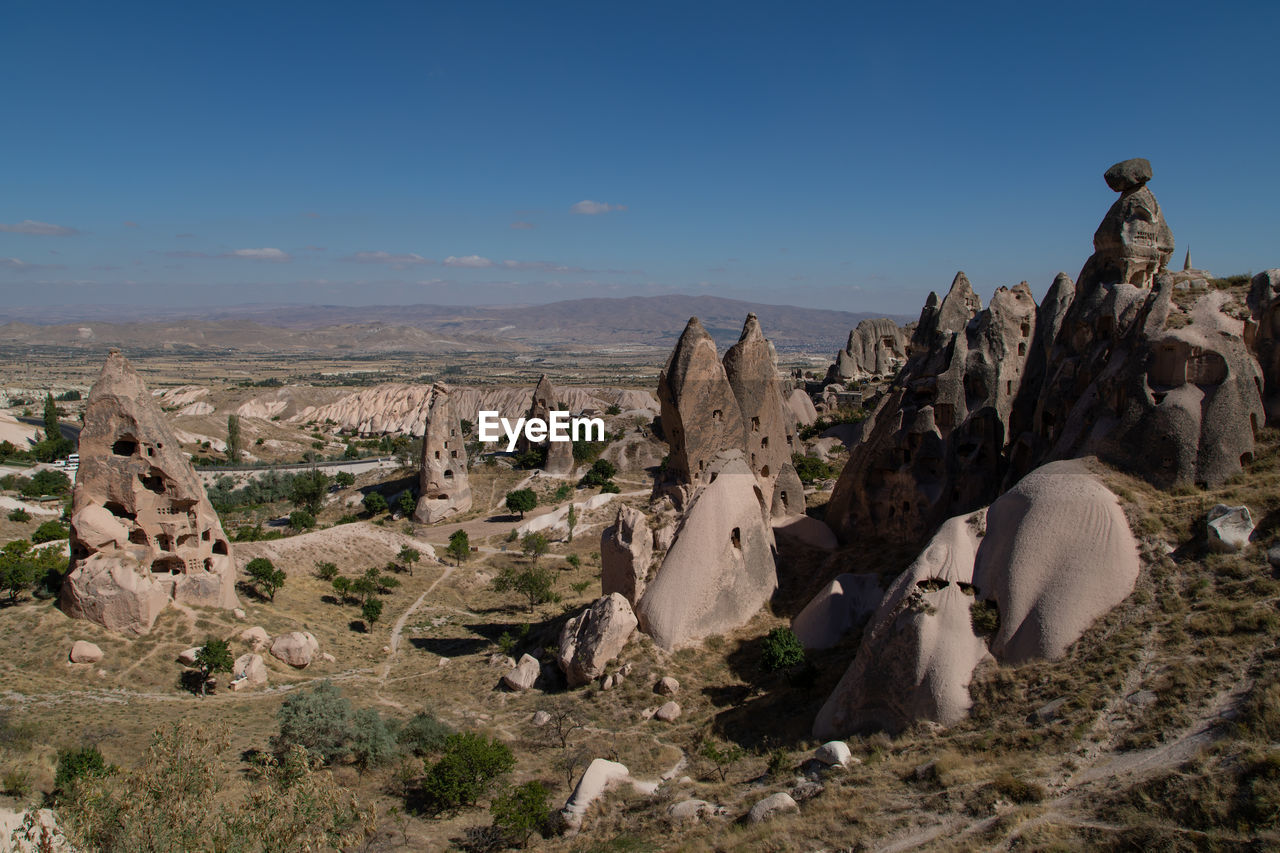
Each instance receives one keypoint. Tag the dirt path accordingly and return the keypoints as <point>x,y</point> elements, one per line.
<point>398,629</point>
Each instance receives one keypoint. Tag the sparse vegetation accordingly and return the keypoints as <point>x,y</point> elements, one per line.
<point>265,576</point>
<point>521,501</point>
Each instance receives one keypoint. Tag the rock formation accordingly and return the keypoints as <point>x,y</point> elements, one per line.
<point>594,637</point>
<point>752,370</point>
<point>1103,366</point>
<point>1264,307</point>
<point>524,675</point>
<point>626,555</point>
<point>919,651</point>
<point>700,414</point>
<point>876,348</point>
<point>1133,244</point>
<point>443,488</point>
<point>1057,555</point>
<point>720,569</point>
<point>559,461</point>
<point>142,530</point>
<point>1054,553</point>
<point>841,606</point>
<point>802,411</point>
<point>296,648</point>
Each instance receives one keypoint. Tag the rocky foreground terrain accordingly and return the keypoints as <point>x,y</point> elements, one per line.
<point>1004,577</point>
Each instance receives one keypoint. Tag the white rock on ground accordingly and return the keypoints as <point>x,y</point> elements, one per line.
<point>667,686</point>
<point>668,712</point>
<point>834,752</point>
<point>257,637</point>
<point>296,648</point>
<point>249,670</point>
<point>82,651</point>
<point>524,675</point>
<point>599,777</point>
<point>1229,527</point>
<point>187,657</point>
<point>770,806</point>
<point>594,637</point>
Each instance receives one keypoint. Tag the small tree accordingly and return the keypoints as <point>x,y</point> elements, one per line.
<point>49,531</point>
<point>309,489</point>
<point>534,545</point>
<point>301,520</point>
<point>234,440</point>
<point>213,657</point>
<point>19,514</point>
<point>407,503</point>
<point>318,720</point>
<point>17,568</point>
<point>326,571</point>
<point>782,649</point>
<point>424,734</point>
<point>468,770</point>
<point>520,812</point>
<point>372,742</point>
<point>344,479</point>
<point>521,501</point>
<point>602,471</point>
<point>533,582</point>
<point>572,520</point>
<point>459,546</point>
<point>370,611</point>
<point>342,586</point>
<point>266,577</point>
<point>408,556</point>
<point>51,429</point>
<point>76,764</point>
<point>374,503</point>
<point>721,756</point>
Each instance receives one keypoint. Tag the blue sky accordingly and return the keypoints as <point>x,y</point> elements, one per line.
<point>846,155</point>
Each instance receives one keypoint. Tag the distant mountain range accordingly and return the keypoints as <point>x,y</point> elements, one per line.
<point>636,321</point>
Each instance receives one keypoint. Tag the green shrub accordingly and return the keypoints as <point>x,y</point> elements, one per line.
<point>372,741</point>
<point>811,469</point>
<point>781,649</point>
<point>374,503</point>
<point>19,514</point>
<point>76,764</point>
<point>265,576</point>
<point>49,532</point>
<point>468,770</point>
<point>344,479</point>
<point>521,811</point>
<point>300,520</point>
<point>424,734</point>
<point>326,571</point>
<point>521,501</point>
<point>602,471</point>
<point>319,720</point>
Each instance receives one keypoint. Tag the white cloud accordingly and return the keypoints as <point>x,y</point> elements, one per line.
<point>40,229</point>
<point>395,261</point>
<point>260,254</point>
<point>471,261</point>
<point>586,207</point>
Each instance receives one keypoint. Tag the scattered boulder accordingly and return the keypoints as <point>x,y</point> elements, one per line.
<point>720,569</point>
<point>257,637</point>
<point>239,614</point>
<point>667,686</point>
<point>143,533</point>
<point>772,806</point>
<point>541,718</point>
<point>594,637</point>
<point>502,661</point>
<point>1229,527</point>
<point>841,606</point>
<point>626,555</point>
<point>833,753</point>
<point>668,713</point>
<point>249,670</point>
<point>188,657</point>
<point>1129,175</point>
<point>296,648</point>
<point>693,810</point>
<point>524,675</point>
<point>598,778</point>
<point>664,536</point>
<point>443,488</point>
<point>82,651</point>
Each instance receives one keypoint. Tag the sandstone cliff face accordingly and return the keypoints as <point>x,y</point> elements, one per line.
<point>443,488</point>
<point>142,531</point>
<point>559,461</point>
<point>876,347</point>
<point>1264,306</point>
<point>1103,367</point>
